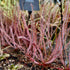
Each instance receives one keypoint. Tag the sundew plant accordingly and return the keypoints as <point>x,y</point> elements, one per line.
<point>44,40</point>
